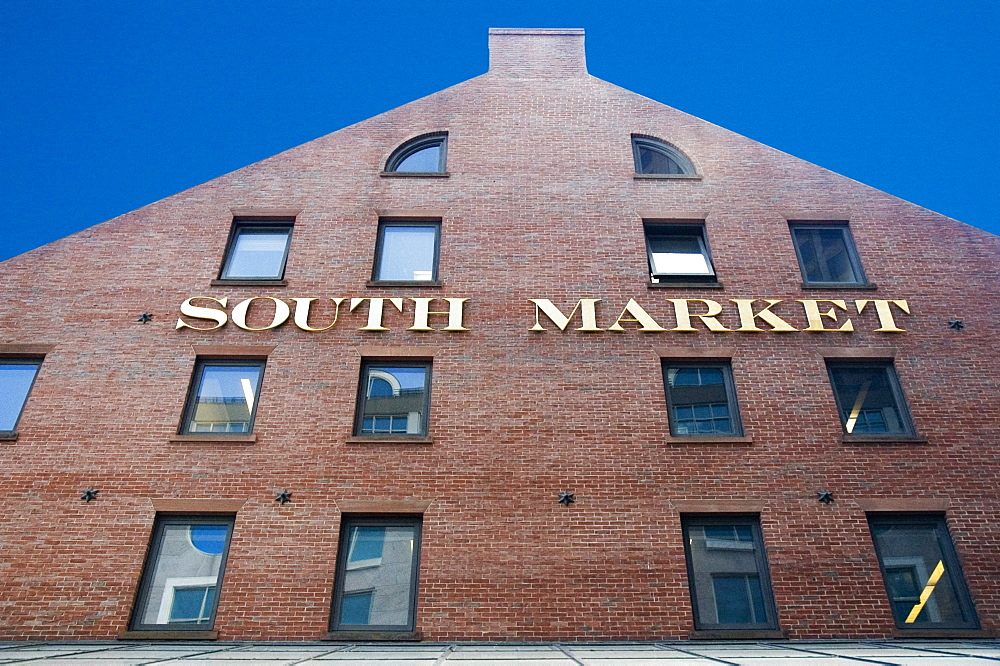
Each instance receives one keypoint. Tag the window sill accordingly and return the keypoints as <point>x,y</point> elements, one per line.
<point>355,636</point>
<point>883,439</point>
<point>208,438</point>
<point>695,439</point>
<point>666,176</point>
<point>401,439</point>
<point>685,285</point>
<point>414,174</point>
<point>942,633</point>
<point>736,634</point>
<point>249,283</point>
<point>403,283</point>
<point>8,435</point>
<point>169,635</point>
<point>868,286</point>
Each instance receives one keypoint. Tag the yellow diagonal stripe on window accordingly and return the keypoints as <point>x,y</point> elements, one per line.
<point>858,403</point>
<point>926,594</point>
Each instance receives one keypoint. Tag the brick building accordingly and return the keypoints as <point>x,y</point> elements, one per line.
<point>531,358</point>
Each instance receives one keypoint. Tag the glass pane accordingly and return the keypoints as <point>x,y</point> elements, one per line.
<point>257,254</point>
<point>356,608</point>
<point>407,253</point>
<point>386,582</point>
<point>738,599</point>
<point>825,257</point>
<point>921,586</point>
<point>366,543</point>
<point>867,401</point>
<point>191,604</point>
<point>726,575</point>
<point>699,401</point>
<point>656,162</point>
<point>225,400</point>
<point>182,585</point>
<point>678,255</point>
<point>209,539</point>
<point>424,160</point>
<point>394,400</point>
<point>15,382</point>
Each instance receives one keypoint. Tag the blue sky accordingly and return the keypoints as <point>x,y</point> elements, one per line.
<point>109,105</point>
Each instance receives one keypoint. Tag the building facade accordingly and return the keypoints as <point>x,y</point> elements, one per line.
<point>532,358</point>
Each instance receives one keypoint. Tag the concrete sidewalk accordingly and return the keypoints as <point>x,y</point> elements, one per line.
<point>764,653</point>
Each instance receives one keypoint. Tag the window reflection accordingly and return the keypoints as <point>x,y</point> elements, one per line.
<point>225,398</point>
<point>16,379</point>
<point>728,576</point>
<point>826,254</point>
<point>257,253</point>
<point>700,401</point>
<point>921,574</point>
<point>407,252</point>
<point>869,400</point>
<point>394,400</point>
<point>376,581</point>
<point>183,573</point>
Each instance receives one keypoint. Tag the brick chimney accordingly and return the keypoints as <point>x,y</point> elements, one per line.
<point>537,52</point>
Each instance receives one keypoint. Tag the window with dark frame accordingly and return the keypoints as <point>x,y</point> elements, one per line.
<point>678,253</point>
<point>920,569</point>
<point>407,251</point>
<point>869,398</point>
<point>701,399</point>
<point>393,399</point>
<point>17,377</point>
<point>223,397</point>
<point>425,154</point>
<point>257,250</point>
<point>376,581</point>
<point>827,255</point>
<point>727,573</point>
<point>181,578</point>
<point>655,157</point>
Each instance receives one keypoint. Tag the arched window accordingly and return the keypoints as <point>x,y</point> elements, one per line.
<point>425,154</point>
<point>654,157</point>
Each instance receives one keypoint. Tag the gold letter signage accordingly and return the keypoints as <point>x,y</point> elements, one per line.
<point>682,315</point>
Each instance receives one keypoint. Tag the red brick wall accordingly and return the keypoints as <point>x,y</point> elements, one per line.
<point>540,202</point>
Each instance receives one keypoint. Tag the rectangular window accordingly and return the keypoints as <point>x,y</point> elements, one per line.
<point>223,397</point>
<point>869,399</point>
<point>701,399</point>
<point>17,376</point>
<point>407,251</point>
<point>183,573</point>
<point>678,253</point>
<point>827,255</point>
<point>376,584</point>
<point>727,573</point>
<point>921,574</point>
<point>257,250</point>
<point>393,399</point>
